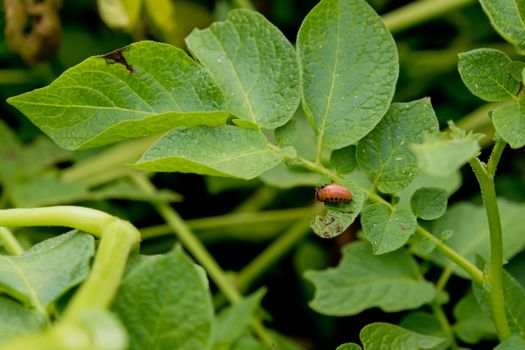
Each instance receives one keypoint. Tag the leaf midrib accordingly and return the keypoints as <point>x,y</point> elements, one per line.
<point>236,74</point>
<point>332,88</point>
<point>33,295</point>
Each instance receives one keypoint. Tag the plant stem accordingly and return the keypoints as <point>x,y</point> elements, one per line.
<point>420,11</point>
<point>272,254</point>
<point>10,242</point>
<point>444,249</point>
<point>102,284</point>
<point>494,158</point>
<point>243,4</point>
<point>116,157</point>
<point>200,253</point>
<point>470,268</point>
<point>229,220</point>
<point>485,177</point>
<point>260,198</point>
<point>443,279</point>
<point>85,219</point>
<point>445,325</point>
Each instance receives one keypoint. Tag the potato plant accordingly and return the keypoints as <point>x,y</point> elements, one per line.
<point>245,103</point>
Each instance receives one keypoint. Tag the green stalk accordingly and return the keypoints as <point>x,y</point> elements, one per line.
<point>243,4</point>
<point>229,220</point>
<point>10,242</point>
<point>85,219</point>
<point>419,12</point>
<point>200,253</point>
<point>102,284</point>
<point>272,254</point>
<point>485,177</point>
<point>115,157</point>
<point>445,324</point>
<point>444,249</point>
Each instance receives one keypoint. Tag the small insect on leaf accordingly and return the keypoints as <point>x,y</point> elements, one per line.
<point>333,194</point>
<point>117,56</point>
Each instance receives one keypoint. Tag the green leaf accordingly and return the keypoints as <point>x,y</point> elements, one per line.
<point>444,153</point>
<point>104,328</point>
<point>233,321</point>
<point>487,74</point>
<point>509,122</point>
<point>25,160</point>
<point>450,183</point>
<point>387,336</point>
<point>386,228</point>
<point>426,323</point>
<point>362,280</point>
<point>516,69</point>
<point>50,189</point>
<point>17,321</point>
<point>254,65</point>
<point>224,151</point>
<point>248,342</point>
<point>339,217</point>
<point>164,303</point>
<point>286,175</point>
<point>39,276</point>
<point>285,135</point>
<point>513,343</point>
<point>349,68</point>
<point>155,87</point>
<point>349,346</point>
<point>471,232</point>
<point>344,159</point>
<point>507,17</point>
<point>384,153</point>
<point>472,324</point>
<point>514,296</point>
<point>124,189</point>
<point>119,14</point>
<point>429,203</point>
<point>46,189</point>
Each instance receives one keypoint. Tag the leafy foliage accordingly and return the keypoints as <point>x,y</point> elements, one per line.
<point>347,82</point>
<point>230,110</point>
<point>253,64</point>
<point>102,101</point>
<point>384,153</point>
<point>164,302</point>
<point>390,281</point>
<point>39,276</point>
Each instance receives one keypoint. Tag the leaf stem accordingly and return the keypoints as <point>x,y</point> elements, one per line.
<point>485,177</point>
<point>243,4</point>
<point>85,219</point>
<point>10,242</point>
<point>272,254</point>
<point>451,254</point>
<point>200,253</point>
<point>495,156</point>
<point>236,219</point>
<point>113,158</point>
<point>98,290</point>
<point>420,11</point>
<point>445,324</point>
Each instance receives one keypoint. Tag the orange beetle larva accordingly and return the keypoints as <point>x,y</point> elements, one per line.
<point>333,194</point>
